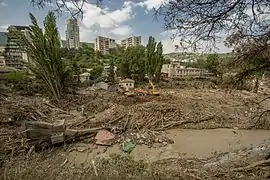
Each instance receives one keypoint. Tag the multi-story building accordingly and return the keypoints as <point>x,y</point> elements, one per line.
<point>72,34</point>
<point>14,55</point>
<point>3,43</point>
<point>104,44</point>
<point>2,61</point>
<point>131,41</point>
<point>177,70</point>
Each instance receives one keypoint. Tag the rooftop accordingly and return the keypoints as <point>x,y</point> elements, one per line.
<point>19,27</point>
<point>127,80</point>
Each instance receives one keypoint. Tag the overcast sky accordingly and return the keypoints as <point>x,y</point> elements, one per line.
<point>116,19</point>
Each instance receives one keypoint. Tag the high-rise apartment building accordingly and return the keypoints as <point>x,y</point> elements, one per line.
<point>72,34</point>
<point>3,44</point>
<point>104,44</point>
<point>14,56</point>
<point>132,41</point>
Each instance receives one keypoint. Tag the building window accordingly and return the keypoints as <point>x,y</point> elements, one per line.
<point>129,84</point>
<point>126,84</point>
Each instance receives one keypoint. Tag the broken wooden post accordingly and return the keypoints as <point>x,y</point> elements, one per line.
<point>43,132</point>
<point>52,133</point>
<point>58,130</point>
<point>37,130</point>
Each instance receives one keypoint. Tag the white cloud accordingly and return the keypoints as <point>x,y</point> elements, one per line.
<point>169,43</point>
<point>168,46</point>
<point>105,18</point>
<point>3,4</point>
<point>121,31</point>
<point>150,4</point>
<point>168,33</point>
<point>106,22</point>
<point>4,27</point>
<point>86,34</point>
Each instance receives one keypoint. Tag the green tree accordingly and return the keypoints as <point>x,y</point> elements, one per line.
<point>79,60</point>
<point>250,58</point>
<point>111,75</point>
<point>117,55</point>
<point>124,66</point>
<point>132,63</point>
<point>43,48</point>
<point>212,63</point>
<point>96,71</point>
<point>160,61</point>
<point>137,62</point>
<point>154,59</point>
<point>151,61</point>
<point>200,63</point>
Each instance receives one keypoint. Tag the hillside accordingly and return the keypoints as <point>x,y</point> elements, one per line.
<point>182,56</point>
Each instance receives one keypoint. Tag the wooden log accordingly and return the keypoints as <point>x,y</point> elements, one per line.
<point>58,138</point>
<point>40,132</point>
<point>253,165</point>
<point>59,126</point>
<point>80,132</point>
<point>38,124</point>
<point>36,130</point>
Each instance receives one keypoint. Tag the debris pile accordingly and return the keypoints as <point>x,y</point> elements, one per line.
<point>157,116</point>
<point>197,109</point>
<point>190,84</point>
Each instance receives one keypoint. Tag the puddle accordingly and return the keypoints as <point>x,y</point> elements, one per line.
<point>187,142</point>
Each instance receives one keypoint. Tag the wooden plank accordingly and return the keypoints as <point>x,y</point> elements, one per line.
<point>58,138</point>
<point>35,130</point>
<point>38,133</point>
<point>38,124</point>
<point>59,126</point>
<point>81,132</point>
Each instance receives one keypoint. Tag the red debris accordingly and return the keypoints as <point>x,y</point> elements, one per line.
<point>105,137</point>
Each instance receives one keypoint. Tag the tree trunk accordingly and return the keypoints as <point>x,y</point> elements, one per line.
<point>256,86</point>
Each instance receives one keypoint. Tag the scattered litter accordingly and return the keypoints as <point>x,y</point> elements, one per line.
<point>105,137</point>
<point>64,163</point>
<point>94,167</point>
<point>30,151</point>
<point>129,146</point>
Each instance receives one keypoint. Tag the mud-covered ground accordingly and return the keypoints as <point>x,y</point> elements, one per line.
<point>249,163</point>
<point>152,116</point>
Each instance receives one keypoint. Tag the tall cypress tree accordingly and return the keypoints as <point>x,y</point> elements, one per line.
<point>151,61</point>
<point>160,61</point>
<point>154,59</point>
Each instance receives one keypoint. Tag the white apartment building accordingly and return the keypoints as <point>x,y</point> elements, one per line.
<point>2,61</point>
<point>176,70</point>
<point>72,34</point>
<point>3,43</point>
<point>14,56</point>
<point>131,41</point>
<point>104,44</point>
